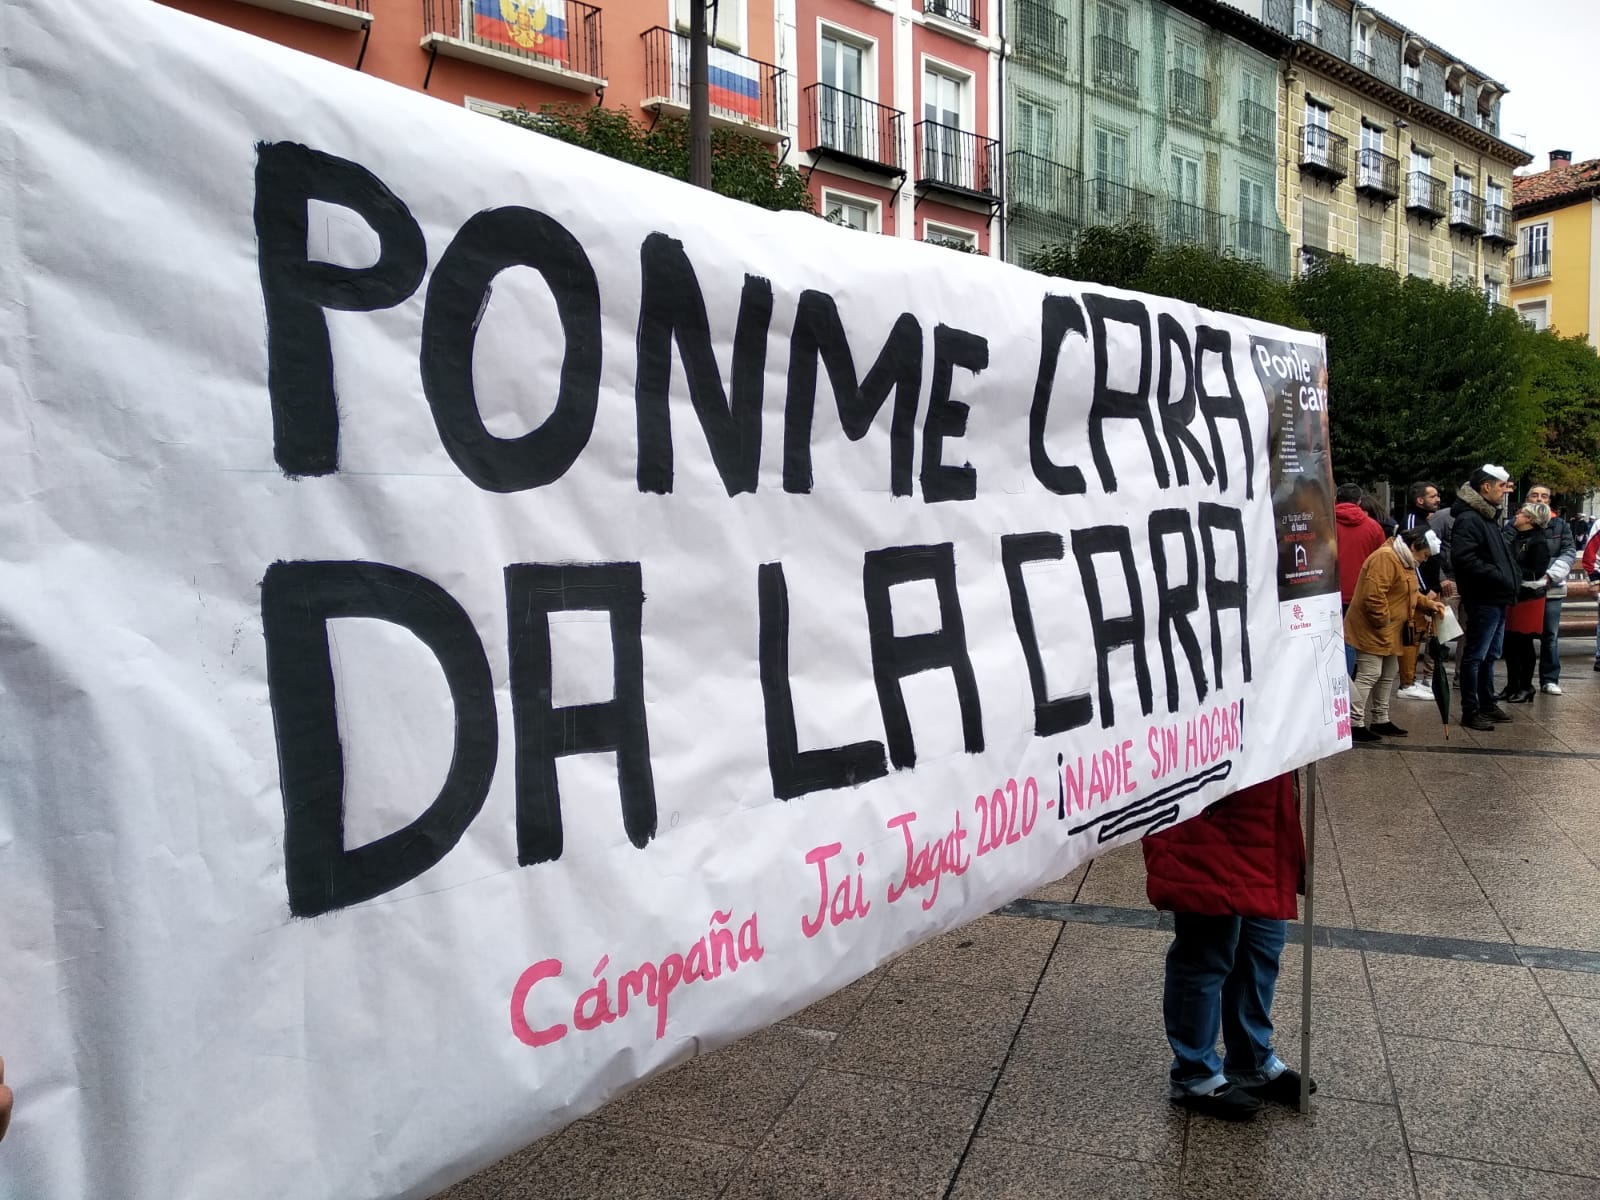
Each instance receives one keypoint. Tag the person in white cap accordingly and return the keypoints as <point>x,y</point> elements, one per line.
<point>1487,579</point>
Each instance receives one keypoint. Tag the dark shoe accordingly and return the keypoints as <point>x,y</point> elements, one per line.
<point>1389,729</point>
<point>1504,694</point>
<point>1597,664</point>
<point>1361,734</point>
<point>1227,1103</point>
<point>1477,721</point>
<point>1285,1089</point>
<point>1520,696</point>
<point>1497,714</point>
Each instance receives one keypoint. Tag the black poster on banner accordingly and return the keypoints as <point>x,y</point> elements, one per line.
<point>1295,378</point>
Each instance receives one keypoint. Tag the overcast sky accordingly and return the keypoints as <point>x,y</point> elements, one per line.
<point>1547,52</point>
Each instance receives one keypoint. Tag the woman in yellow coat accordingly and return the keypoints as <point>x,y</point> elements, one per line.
<point>1387,600</point>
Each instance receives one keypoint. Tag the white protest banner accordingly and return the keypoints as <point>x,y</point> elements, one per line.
<point>479,623</point>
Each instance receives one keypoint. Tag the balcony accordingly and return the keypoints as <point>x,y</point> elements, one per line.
<point>1488,123</point>
<point>1377,175</point>
<point>1191,225</point>
<point>1307,31</point>
<point>1190,97</point>
<point>747,94</point>
<point>342,14</point>
<point>1263,245</point>
<point>956,161</point>
<point>1111,203</point>
<point>1324,153</point>
<point>1116,65</point>
<point>1466,212</point>
<point>1455,105</point>
<point>1038,187</point>
<point>1526,268</point>
<point>966,13</point>
<point>1040,31</point>
<point>1412,86</point>
<point>854,129</point>
<point>563,50</point>
<point>1497,229</point>
<point>1256,122</point>
<point>1364,61</point>
<point>1425,195</point>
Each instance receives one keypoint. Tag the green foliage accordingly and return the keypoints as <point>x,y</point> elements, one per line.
<point>1131,256</point>
<point>742,167</point>
<point>956,244</point>
<point>1564,382</point>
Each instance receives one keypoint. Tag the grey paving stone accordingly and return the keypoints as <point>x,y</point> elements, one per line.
<point>1077,936</point>
<point>996,953</point>
<point>589,1159</point>
<point>1116,878</point>
<point>1400,890</point>
<point>996,1170</point>
<point>1346,1048</point>
<point>1568,983</point>
<point>1470,1002</point>
<point>1064,889</point>
<point>1580,1015</point>
<point>855,1137</point>
<point>835,1011</point>
<point>931,1033</point>
<point>1543,904</point>
<point>1459,1179</point>
<point>1103,1095</point>
<point>1520,1107</point>
<point>732,1096</point>
<point>1341,1149</point>
<point>1098,991</point>
<point>1333,973</point>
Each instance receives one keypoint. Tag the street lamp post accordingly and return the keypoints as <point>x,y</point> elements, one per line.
<point>699,97</point>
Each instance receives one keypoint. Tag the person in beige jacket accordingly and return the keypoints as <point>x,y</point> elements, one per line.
<point>1386,602</point>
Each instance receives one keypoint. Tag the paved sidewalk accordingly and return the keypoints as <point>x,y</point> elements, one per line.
<point>1457,1023</point>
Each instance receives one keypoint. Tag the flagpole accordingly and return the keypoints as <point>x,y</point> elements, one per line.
<point>1309,927</point>
<point>699,97</point>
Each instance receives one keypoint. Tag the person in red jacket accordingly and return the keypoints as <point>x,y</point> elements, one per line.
<point>1230,877</point>
<point>1359,536</point>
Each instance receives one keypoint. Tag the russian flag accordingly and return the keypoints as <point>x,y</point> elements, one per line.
<point>734,84</point>
<point>536,27</point>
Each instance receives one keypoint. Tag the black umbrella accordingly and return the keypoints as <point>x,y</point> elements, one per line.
<point>1441,681</point>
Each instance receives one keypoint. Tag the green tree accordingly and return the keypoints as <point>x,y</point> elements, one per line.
<point>1564,378</point>
<point>1425,380</point>
<point>742,167</point>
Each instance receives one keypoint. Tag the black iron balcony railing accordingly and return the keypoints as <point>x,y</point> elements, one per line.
<point>1040,29</point>
<point>1497,225</point>
<point>1111,203</point>
<point>1377,175</point>
<point>1466,211</point>
<point>1324,153</point>
<point>1488,123</point>
<point>1425,194</point>
<point>1412,87</point>
<point>1190,96</point>
<point>1263,245</point>
<point>1308,31</point>
<point>1364,61</point>
<point>1455,105</point>
<point>1191,225</point>
<point>744,91</point>
<point>1036,185</point>
<point>1256,122</point>
<point>1116,65</point>
<point>962,12</point>
<point>852,127</point>
<point>1527,267</point>
<point>569,43</point>
<point>956,160</point>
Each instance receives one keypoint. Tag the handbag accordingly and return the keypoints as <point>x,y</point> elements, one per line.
<point>1447,629</point>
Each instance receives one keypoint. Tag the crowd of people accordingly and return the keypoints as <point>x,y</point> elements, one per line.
<point>1496,570</point>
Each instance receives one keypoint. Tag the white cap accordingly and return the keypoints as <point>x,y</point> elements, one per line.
<point>1432,539</point>
<point>1500,473</point>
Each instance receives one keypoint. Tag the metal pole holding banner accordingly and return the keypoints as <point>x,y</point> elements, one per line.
<point>699,97</point>
<point>1309,926</point>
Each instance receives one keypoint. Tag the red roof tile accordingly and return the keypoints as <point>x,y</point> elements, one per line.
<point>1574,182</point>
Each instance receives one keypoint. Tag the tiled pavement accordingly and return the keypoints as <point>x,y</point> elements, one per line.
<point>1456,1022</point>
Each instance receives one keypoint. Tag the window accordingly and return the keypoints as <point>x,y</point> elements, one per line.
<point>1361,45</point>
<point>948,156</point>
<point>852,211</point>
<point>1460,196</point>
<point>1110,192</point>
<point>1034,180</point>
<point>1369,239</point>
<point>1318,118</point>
<point>1185,179</point>
<point>1186,220</point>
<point>1461,266</point>
<point>489,108</point>
<point>844,123</point>
<point>1419,256</point>
<point>1313,224</point>
<point>1305,20</point>
<point>1533,251</point>
<point>1536,314</point>
<point>1116,62</point>
<point>951,236</point>
<point>1492,291</point>
<point>1036,128</point>
<point>724,21</point>
<point>1252,227</point>
<point>1411,78</point>
<point>1111,21</point>
<point>1369,166</point>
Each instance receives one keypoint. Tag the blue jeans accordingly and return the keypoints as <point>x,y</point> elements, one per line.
<point>1221,974</point>
<point>1482,642</point>
<point>1550,644</point>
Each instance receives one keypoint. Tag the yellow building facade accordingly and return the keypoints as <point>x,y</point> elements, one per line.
<point>1390,151</point>
<point>1556,267</point>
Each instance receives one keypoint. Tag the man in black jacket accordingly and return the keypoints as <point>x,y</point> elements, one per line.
<point>1487,577</point>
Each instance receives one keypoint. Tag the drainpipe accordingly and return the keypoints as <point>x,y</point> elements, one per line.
<point>1000,10</point>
